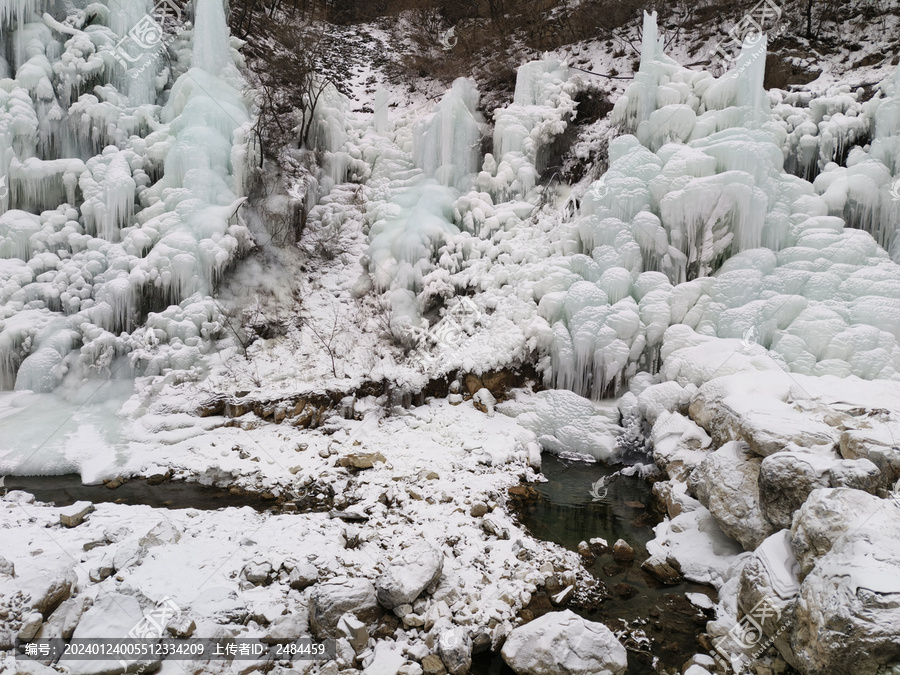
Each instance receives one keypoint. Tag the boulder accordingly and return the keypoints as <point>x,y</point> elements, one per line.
<point>303,575</point>
<point>768,591</point>
<point>330,600</point>
<point>432,665</point>
<point>847,616</point>
<point>258,572</point>
<point>410,573</point>
<point>726,483</point>
<point>787,478</point>
<point>562,643</point>
<point>877,444</point>
<point>112,616</point>
<point>361,460</point>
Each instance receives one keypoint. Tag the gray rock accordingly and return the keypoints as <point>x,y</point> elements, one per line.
<point>726,483</point>
<point>303,575</point>
<point>6,567</point>
<point>64,619</point>
<point>286,628</point>
<point>478,509</point>
<point>562,643</point>
<point>258,572</point>
<point>354,631</point>
<point>787,478</point>
<point>330,600</point>
<point>413,571</point>
<point>455,650</point>
<point>847,616</point>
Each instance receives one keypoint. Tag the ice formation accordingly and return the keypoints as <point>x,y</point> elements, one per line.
<point>697,223</point>
<point>125,177</point>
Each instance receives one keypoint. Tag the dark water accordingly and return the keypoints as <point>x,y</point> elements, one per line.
<point>68,489</point>
<point>566,514</point>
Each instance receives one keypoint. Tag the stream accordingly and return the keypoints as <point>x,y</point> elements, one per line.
<point>566,514</point>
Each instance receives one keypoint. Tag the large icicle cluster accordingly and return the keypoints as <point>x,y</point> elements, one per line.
<point>696,222</point>
<point>434,206</point>
<point>123,187</point>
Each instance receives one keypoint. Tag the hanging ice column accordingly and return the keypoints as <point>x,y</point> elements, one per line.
<point>542,107</point>
<point>867,192</point>
<point>447,145</point>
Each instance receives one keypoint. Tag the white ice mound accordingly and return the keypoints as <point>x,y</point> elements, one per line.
<point>566,422</point>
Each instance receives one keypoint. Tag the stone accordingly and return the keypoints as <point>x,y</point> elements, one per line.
<point>101,572</point>
<point>847,615</point>
<point>562,643</point>
<point>484,401</point>
<point>330,600</point>
<point>432,665</point>
<point>31,624</point>
<point>563,596</point>
<point>73,515</point>
<point>303,575</point>
<point>624,591</point>
<point>622,551</point>
<point>496,524</point>
<point>455,650</point>
<point>258,573</point>
<point>478,509</point>
<point>598,545</point>
<point>62,623</point>
<point>787,478</point>
<point>7,568</point>
<point>726,483</point>
<point>361,460</point>
<point>181,627</point>
<point>658,566</point>
<point>354,631</point>
<point>286,628</point>
<point>408,575</point>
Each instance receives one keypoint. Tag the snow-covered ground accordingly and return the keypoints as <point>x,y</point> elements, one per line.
<point>731,280</point>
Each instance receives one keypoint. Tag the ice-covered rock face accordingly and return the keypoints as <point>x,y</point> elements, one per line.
<point>114,207</point>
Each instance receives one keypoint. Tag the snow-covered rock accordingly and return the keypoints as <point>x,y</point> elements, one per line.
<point>410,573</point>
<point>726,484</point>
<point>787,478</point>
<point>562,643</point>
<point>847,616</point>
<point>330,600</point>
